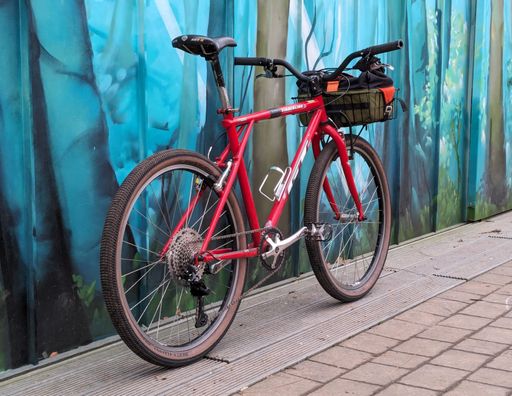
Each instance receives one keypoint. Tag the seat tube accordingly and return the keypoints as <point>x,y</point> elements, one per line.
<point>221,85</point>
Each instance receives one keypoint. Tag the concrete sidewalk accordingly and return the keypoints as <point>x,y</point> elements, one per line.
<point>458,343</point>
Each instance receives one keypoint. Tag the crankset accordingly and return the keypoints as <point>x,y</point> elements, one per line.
<point>271,254</point>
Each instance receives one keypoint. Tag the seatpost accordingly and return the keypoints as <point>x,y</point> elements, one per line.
<point>221,85</point>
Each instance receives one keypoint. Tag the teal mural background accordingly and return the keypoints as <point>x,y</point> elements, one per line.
<point>85,97</point>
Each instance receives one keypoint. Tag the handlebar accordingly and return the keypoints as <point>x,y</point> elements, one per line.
<point>381,48</point>
<point>268,63</point>
<point>368,52</point>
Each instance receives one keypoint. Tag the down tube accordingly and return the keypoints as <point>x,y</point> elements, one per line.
<point>277,209</point>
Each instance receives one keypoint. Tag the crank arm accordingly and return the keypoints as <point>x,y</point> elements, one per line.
<point>278,246</point>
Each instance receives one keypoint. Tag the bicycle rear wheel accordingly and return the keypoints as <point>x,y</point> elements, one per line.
<point>348,265</point>
<point>147,289</point>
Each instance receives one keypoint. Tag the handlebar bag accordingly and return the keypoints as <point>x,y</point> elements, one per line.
<point>351,101</point>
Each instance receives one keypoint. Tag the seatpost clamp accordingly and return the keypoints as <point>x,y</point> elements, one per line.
<point>227,111</point>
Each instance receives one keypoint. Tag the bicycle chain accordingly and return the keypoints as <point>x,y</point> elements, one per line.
<point>261,281</point>
<point>237,234</point>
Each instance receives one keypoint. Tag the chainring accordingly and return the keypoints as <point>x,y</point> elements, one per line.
<point>265,247</point>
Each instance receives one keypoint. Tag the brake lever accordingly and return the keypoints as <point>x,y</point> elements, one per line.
<point>376,66</point>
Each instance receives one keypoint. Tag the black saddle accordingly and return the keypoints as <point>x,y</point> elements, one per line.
<point>207,47</point>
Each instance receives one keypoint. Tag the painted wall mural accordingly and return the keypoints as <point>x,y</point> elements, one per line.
<point>82,101</point>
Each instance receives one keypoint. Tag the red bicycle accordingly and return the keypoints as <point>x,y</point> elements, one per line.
<point>175,246</point>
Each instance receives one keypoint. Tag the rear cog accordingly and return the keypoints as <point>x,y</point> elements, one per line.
<point>271,256</point>
<point>180,256</point>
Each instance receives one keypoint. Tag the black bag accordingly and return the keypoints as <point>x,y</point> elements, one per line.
<point>352,101</point>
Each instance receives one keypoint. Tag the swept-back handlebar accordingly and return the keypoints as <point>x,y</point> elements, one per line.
<point>370,51</point>
<point>269,63</point>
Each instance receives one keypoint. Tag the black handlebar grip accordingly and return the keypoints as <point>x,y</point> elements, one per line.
<point>252,61</point>
<point>388,47</point>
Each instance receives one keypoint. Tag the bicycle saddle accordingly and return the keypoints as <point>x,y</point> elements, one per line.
<point>202,45</point>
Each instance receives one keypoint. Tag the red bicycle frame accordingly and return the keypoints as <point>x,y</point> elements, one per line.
<point>238,132</point>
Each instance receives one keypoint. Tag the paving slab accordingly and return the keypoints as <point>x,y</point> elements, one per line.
<point>434,377</point>
<point>400,359</point>
<point>419,317</point>
<point>485,309</point>
<point>371,343</point>
<point>480,346</point>
<point>493,377</point>
<point>342,386</point>
<point>374,373</point>
<point>397,329</point>
<point>341,357</point>
<point>505,323</point>
<point>423,347</point>
<point>470,388</point>
<point>444,333</point>
<point>502,362</point>
<point>315,371</point>
<point>500,335</point>
<point>467,322</point>
<point>400,389</point>
<point>460,360</point>
<point>281,384</point>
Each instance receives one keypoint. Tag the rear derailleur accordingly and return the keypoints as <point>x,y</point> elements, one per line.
<point>199,290</point>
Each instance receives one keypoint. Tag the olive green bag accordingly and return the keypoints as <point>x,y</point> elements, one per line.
<point>358,100</point>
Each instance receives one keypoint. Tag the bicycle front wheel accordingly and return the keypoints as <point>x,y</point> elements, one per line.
<point>350,262</point>
<point>154,228</point>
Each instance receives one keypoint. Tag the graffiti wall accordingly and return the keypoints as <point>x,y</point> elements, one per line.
<point>83,99</point>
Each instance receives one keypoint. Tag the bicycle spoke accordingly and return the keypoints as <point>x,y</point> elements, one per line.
<point>157,290</point>
<point>159,310</point>
<point>142,277</point>
<point>141,268</point>
<point>149,220</point>
<point>350,252</point>
<point>161,210</point>
<point>145,298</point>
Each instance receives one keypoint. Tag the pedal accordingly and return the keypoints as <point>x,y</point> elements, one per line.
<point>319,232</point>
